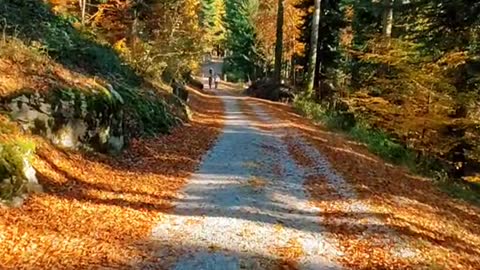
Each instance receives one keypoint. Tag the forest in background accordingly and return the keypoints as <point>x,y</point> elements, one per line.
<point>98,144</point>
<point>400,76</point>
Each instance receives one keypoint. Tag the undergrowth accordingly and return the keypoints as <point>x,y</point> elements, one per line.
<point>79,50</point>
<point>376,140</point>
<point>43,52</point>
<point>385,146</point>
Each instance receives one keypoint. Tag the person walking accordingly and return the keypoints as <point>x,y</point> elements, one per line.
<point>217,80</point>
<point>210,78</point>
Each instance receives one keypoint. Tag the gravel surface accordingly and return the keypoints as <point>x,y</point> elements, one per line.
<point>399,248</point>
<point>238,212</point>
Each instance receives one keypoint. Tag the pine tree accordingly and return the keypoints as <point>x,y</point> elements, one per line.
<point>245,59</point>
<point>217,30</point>
<point>207,13</point>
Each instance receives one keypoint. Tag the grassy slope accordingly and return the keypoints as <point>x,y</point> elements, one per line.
<point>41,52</point>
<point>54,54</point>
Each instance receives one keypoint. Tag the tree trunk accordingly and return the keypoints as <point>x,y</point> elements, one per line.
<point>83,7</point>
<point>312,58</point>
<point>318,71</point>
<point>387,18</point>
<point>318,63</point>
<point>279,46</point>
<point>133,32</point>
<point>293,74</point>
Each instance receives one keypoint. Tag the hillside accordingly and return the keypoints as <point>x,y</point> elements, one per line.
<point>70,86</point>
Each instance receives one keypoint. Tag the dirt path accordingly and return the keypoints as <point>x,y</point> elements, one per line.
<point>247,207</point>
<point>243,209</point>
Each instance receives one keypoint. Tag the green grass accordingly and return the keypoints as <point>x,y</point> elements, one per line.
<point>461,191</point>
<point>14,150</point>
<point>376,140</point>
<point>33,22</point>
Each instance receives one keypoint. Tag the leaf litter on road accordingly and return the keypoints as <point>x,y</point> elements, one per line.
<point>98,211</point>
<point>446,231</point>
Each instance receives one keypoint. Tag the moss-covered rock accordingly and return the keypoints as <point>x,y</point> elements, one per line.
<point>17,176</point>
<point>71,118</point>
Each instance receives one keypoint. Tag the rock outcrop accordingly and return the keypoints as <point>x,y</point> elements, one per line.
<point>71,118</point>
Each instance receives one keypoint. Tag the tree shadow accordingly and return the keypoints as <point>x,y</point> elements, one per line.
<point>166,255</point>
<point>395,187</point>
<point>75,188</point>
<point>181,255</point>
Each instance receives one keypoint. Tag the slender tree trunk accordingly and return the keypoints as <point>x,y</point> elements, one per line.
<point>318,72</point>
<point>83,7</point>
<point>279,46</point>
<point>133,32</point>
<point>387,26</point>
<point>387,18</point>
<point>292,62</point>
<point>318,63</point>
<point>312,59</point>
<point>294,77</point>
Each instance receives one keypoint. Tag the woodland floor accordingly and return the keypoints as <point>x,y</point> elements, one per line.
<point>272,191</point>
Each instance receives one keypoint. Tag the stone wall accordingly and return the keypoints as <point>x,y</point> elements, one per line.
<point>71,118</point>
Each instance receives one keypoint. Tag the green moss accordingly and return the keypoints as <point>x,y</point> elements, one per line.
<point>12,155</point>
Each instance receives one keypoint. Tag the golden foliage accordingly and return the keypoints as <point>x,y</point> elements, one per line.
<point>266,23</point>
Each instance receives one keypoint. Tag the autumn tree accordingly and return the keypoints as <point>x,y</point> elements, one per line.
<point>207,13</point>
<point>420,56</point>
<point>154,36</point>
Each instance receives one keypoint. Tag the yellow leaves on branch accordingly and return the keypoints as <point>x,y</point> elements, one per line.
<point>453,59</point>
<point>121,46</point>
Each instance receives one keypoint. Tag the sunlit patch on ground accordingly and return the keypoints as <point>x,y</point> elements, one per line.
<point>445,231</point>
<point>251,165</point>
<point>97,211</point>
<point>289,254</point>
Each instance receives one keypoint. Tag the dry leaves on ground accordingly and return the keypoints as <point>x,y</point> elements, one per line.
<point>445,231</point>
<point>98,211</point>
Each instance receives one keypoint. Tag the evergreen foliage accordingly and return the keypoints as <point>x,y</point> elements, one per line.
<point>245,60</point>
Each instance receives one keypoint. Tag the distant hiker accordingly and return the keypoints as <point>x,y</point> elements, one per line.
<point>210,78</point>
<point>217,80</point>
